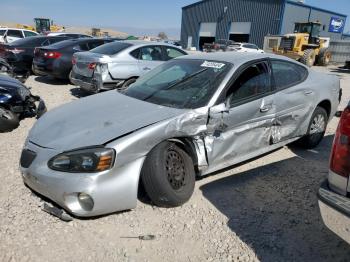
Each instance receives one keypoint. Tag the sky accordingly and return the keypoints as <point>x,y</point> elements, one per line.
<point>132,16</point>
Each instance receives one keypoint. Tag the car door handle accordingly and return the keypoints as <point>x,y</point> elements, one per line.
<point>265,109</point>
<point>146,68</point>
<point>308,92</point>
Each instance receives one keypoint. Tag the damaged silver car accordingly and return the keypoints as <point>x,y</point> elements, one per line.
<point>188,117</point>
<point>119,64</point>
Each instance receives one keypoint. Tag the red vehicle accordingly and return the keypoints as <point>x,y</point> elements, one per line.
<point>334,194</point>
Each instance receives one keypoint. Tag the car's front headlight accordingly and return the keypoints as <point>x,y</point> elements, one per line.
<point>23,92</point>
<point>90,160</point>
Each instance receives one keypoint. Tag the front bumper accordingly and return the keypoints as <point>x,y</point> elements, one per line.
<point>335,211</point>
<point>111,191</point>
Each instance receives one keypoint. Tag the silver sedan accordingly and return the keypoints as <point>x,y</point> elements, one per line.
<point>187,118</point>
<point>119,64</point>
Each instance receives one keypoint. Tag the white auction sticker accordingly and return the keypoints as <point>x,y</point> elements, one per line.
<point>213,65</point>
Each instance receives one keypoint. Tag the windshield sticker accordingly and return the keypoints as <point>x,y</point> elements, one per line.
<point>213,65</point>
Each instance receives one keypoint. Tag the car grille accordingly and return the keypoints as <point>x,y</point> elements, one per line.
<point>27,158</point>
<point>287,43</point>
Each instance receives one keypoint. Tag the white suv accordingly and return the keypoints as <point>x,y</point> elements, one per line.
<point>246,48</point>
<point>8,35</point>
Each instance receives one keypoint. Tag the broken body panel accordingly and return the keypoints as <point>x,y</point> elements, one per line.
<point>215,136</point>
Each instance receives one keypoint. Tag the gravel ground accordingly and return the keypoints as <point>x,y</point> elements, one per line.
<point>263,210</point>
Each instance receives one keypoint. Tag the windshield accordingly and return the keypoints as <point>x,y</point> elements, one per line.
<point>110,48</point>
<point>2,32</point>
<point>181,83</point>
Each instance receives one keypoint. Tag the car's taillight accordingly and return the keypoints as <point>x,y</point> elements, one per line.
<point>53,55</point>
<point>74,60</point>
<point>340,156</point>
<point>92,66</point>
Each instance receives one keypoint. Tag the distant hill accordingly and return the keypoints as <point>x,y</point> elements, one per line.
<point>79,29</point>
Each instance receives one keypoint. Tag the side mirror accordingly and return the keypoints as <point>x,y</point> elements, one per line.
<point>220,108</point>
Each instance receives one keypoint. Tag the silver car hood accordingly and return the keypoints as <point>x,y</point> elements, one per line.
<point>96,120</point>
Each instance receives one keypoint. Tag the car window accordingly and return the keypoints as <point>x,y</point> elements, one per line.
<point>250,46</point>
<point>180,83</point>
<point>151,53</point>
<point>2,32</point>
<point>56,40</point>
<point>45,43</point>
<point>171,53</point>
<point>286,74</point>
<point>92,45</point>
<point>15,33</point>
<point>29,34</point>
<point>111,48</point>
<point>136,53</point>
<point>253,81</point>
<point>81,47</point>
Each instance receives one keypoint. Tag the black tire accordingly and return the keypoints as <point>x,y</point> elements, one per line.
<point>309,57</point>
<point>324,57</point>
<point>127,83</point>
<point>311,139</point>
<point>8,120</point>
<point>168,175</point>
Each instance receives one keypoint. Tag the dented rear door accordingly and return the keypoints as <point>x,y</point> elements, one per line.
<point>294,99</point>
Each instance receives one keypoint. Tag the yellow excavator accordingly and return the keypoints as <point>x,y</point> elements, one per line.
<point>42,25</point>
<point>305,45</point>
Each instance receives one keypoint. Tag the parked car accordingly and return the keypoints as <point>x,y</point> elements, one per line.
<point>7,69</point>
<point>189,117</point>
<point>70,35</point>
<point>222,45</point>
<point>20,54</point>
<point>9,35</point>
<point>334,194</point>
<point>246,48</point>
<point>56,59</point>
<point>119,64</point>
<point>17,103</point>
<point>347,64</point>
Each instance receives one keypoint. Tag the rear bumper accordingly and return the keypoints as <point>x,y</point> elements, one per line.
<point>335,211</point>
<point>92,85</point>
<point>50,69</point>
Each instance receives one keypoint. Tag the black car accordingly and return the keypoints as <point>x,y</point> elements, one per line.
<point>19,54</point>
<point>56,59</point>
<point>17,103</point>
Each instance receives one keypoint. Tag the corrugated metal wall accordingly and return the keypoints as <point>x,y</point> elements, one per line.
<point>298,13</point>
<point>265,16</point>
<point>340,50</point>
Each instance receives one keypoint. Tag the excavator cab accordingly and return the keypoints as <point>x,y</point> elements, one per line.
<point>42,25</point>
<point>313,29</point>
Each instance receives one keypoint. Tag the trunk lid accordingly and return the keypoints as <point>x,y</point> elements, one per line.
<point>84,59</point>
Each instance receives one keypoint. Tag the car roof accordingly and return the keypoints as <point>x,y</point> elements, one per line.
<point>143,43</point>
<point>235,58</point>
<point>10,28</point>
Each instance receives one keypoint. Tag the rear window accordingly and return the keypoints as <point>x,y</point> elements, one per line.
<point>32,41</point>
<point>287,74</point>
<point>110,48</point>
<point>63,44</point>
<point>2,32</point>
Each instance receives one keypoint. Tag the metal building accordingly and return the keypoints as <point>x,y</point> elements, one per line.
<point>251,20</point>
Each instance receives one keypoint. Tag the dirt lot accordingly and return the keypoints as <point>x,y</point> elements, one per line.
<point>264,210</point>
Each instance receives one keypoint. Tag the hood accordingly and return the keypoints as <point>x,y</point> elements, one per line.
<point>96,120</point>
<point>8,83</point>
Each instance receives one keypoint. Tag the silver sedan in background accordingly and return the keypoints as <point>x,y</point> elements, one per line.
<point>119,64</point>
<point>188,117</point>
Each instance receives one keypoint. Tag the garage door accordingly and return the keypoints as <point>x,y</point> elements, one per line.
<point>240,31</point>
<point>207,34</point>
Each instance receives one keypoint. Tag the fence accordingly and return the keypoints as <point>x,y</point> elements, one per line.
<point>340,50</point>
